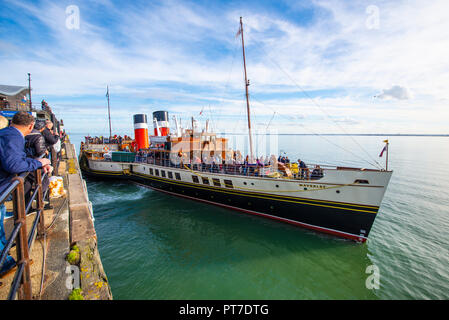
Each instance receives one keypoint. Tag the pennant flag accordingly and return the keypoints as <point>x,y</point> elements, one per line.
<point>202,111</point>
<point>383,150</point>
<point>238,32</point>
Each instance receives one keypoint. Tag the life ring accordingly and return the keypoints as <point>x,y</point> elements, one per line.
<point>105,149</point>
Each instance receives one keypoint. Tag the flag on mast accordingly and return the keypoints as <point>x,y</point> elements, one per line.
<point>238,32</point>
<point>384,149</point>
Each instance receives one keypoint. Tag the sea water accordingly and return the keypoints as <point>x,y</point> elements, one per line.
<point>157,246</point>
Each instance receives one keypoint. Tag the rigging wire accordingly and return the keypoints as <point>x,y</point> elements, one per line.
<point>266,129</point>
<point>226,87</point>
<point>259,141</point>
<point>320,135</point>
<point>317,105</point>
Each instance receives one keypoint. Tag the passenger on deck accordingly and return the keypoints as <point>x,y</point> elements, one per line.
<point>245,165</point>
<point>302,168</point>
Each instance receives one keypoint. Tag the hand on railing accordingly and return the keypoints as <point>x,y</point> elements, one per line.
<point>44,161</point>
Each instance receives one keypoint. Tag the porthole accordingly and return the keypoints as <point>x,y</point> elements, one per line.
<point>338,191</point>
<point>277,186</point>
<point>244,183</point>
<point>305,188</point>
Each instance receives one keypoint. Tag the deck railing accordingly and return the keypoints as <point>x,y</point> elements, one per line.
<point>253,170</point>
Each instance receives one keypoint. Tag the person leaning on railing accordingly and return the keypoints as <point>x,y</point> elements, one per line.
<point>13,160</point>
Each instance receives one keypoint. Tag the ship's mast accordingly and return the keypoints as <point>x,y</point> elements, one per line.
<point>251,159</point>
<point>109,114</point>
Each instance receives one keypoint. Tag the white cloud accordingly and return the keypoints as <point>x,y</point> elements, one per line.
<point>395,92</point>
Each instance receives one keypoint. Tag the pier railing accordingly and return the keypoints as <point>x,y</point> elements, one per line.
<point>21,285</point>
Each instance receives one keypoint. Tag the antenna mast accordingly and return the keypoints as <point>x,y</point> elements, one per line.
<point>251,159</point>
<point>109,114</point>
<point>29,90</point>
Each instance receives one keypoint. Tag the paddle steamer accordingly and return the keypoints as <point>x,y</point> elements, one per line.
<point>198,165</point>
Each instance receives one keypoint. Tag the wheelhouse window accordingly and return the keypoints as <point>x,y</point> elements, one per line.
<point>151,171</point>
<point>205,180</point>
<point>195,179</point>
<point>178,176</point>
<point>157,171</point>
<point>163,173</point>
<point>170,174</point>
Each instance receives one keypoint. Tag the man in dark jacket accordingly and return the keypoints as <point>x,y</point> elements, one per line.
<point>35,142</point>
<point>13,160</point>
<point>35,148</point>
<point>50,137</point>
<point>302,168</point>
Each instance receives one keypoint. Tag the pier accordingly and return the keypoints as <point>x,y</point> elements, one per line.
<point>56,249</point>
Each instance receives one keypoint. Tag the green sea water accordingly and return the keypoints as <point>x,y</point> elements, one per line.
<point>156,246</point>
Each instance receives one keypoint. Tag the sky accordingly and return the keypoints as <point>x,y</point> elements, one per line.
<point>314,66</point>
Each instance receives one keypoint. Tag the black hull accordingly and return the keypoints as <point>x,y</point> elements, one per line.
<point>345,221</point>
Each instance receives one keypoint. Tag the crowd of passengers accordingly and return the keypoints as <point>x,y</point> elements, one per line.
<point>234,165</point>
<point>25,146</point>
<point>103,140</point>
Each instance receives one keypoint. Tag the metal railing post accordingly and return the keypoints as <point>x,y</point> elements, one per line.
<point>40,201</point>
<point>24,292</point>
<point>53,157</point>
